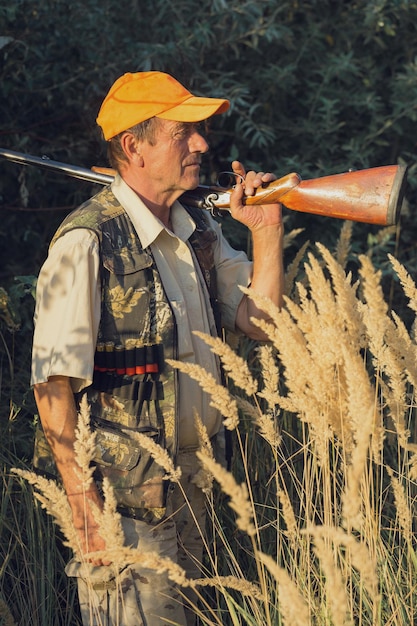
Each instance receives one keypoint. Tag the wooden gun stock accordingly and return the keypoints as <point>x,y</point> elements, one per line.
<point>373,196</point>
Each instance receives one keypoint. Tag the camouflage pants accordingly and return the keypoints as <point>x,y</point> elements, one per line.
<point>139,596</point>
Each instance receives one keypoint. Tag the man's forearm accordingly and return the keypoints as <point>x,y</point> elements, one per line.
<point>267,278</point>
<point>59,419</point>
<point>56,405</point>
<point>57,410</point>
<point>265,224</point>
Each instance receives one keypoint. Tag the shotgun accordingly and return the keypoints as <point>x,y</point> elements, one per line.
<point>373,195</point>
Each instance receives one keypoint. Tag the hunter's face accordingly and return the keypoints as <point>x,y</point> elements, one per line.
<point>174,158</point>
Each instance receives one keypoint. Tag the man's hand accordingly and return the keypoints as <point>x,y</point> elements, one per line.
<point>253,216</point>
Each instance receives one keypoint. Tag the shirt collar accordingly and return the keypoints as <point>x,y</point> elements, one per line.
<point>148,227</point>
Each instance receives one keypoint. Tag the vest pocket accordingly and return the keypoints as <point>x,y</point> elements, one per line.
<point>115,449</point>
<point>124,259</point>
<point>137,480</point>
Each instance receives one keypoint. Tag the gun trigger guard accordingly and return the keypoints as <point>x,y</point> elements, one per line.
<point>232,176</point>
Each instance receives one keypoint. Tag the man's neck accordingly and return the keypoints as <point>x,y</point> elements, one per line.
<point>159,204</point>
<point>161,209</point>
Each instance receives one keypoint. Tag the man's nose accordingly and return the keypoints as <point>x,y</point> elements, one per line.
<point>198,143</point>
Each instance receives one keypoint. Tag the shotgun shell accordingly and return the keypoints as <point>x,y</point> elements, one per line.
<point>140,360</point>
<point>120,359</point>
<point>100,358</point>
<point>130,361</point>
<point>110,356</point>
<point>151,360</point>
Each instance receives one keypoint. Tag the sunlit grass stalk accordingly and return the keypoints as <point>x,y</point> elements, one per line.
<point>220,397</point>
<point>293,607</point>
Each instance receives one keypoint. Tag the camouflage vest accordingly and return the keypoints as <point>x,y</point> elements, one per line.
<point>134,389</point>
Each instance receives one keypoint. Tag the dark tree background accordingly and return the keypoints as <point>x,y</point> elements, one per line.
<point>317,87</point>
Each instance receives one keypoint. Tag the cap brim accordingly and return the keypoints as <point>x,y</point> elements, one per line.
<point>195,109</point>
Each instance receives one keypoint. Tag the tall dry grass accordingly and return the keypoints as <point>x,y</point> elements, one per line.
<point>326,457</point>
<point>315,524</point>
<point>34,590</point>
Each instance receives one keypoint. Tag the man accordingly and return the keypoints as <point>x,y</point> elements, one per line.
<point>130,275</point>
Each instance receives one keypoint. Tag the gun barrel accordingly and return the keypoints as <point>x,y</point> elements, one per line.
<point>75,171</point>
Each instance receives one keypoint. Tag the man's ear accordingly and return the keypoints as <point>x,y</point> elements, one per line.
<point>131,147</point>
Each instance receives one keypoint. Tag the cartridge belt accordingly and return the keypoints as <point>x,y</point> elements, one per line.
<point>131,372</point>
<point>130,360</point>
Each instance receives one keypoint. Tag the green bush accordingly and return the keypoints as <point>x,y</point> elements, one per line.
<point>317,87</point>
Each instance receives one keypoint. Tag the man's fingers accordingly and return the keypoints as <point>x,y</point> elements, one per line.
<point>238,169</point>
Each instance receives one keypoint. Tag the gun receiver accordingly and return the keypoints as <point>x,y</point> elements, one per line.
<point>373,195</point>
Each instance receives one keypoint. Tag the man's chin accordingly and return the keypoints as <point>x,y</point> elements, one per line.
<point>192,184</point>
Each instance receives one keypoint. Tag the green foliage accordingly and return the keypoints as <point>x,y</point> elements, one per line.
<point>316,87</point>
<point>16,401</point>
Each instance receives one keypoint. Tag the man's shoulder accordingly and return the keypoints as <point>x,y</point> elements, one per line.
<point>93,214</point>
<point>99,208</point>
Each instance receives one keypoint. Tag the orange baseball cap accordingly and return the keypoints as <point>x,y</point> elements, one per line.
<point>134,98</point>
